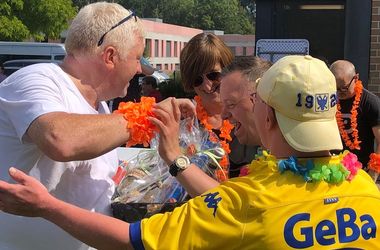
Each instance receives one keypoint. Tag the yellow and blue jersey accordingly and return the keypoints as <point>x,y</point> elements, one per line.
<point>270,210</point>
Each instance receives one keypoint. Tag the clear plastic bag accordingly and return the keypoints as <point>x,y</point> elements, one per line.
<point>147,179</point>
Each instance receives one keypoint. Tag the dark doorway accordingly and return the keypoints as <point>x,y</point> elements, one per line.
<point>336,29</point>
<point>322,24</point>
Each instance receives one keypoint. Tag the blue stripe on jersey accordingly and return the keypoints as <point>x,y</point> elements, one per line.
<point>135,235</point>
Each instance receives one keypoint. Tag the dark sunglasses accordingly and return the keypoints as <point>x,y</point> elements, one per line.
<point>213,76</point>
<point>345,88</point>
<point>100,42</point>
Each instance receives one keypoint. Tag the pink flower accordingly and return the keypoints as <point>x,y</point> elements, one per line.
<point>350,161</point>
<point>244,171</point>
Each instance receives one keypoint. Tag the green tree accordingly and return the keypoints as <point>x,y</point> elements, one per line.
<point>11,27</point>
<point>38,19</point>
<point>47,18</point>
<point>81,3</point>
<point>144,8</point>
<point>228,15</point>
<point>250,6</point>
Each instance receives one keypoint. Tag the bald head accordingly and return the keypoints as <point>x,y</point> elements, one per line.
<point>342,69</point>
<point>346,77</point>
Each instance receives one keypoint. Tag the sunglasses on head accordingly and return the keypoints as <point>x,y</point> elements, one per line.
<point>213,76</point>
<point>100,42</point>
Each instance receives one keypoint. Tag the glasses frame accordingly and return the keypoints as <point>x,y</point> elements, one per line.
<point>199,80</point>
<point>345,89</point>
<point>133,14</point>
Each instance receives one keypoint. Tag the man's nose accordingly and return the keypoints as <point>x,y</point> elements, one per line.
<point>225,113</point>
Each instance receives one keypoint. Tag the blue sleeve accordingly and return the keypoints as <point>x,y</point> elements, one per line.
<point>135,235</point>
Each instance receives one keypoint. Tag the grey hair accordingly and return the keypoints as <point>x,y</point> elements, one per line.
<point>93,21</point>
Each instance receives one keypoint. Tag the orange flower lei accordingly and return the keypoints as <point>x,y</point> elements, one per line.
<point>141,130</point>
<point>225,136</point>
<point>374,162</point>
<point>354,113</point>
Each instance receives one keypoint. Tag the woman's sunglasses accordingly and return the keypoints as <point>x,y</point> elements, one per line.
<point>213,76</point>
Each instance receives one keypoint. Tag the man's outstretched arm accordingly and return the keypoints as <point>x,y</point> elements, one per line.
<point>30,198</point>
<point>69,137</point>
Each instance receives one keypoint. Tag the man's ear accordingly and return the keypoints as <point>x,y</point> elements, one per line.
<point>110,56</point>
<point>252,98</point>
<point>270,120</point>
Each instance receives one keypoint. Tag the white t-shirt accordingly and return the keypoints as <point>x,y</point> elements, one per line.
<point>25,95</point>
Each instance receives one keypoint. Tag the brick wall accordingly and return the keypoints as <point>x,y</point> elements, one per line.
<point>374,70</point>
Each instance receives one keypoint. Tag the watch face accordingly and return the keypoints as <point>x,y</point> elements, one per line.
<point>182,162</point>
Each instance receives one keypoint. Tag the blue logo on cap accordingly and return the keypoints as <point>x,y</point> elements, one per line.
<point>322,104</point>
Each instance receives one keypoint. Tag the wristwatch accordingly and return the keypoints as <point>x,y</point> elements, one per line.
<point>180,163</point>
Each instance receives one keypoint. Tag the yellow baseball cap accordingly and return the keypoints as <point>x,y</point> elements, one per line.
<point>302,91</point>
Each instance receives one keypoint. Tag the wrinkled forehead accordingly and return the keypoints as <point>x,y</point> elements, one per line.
<point>234,84</point>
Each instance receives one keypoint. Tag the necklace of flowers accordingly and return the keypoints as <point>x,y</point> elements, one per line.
<point>374,162</point>
<point>334,169</point>
<point>354,114</point>
<point>225,135</point>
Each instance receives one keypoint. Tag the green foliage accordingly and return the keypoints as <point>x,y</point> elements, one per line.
<point>43,19</point>
<point>81,3</point>
<point>48,18</point>
<point>228,15</point>
<point>38,19</point>
<point>174,87</point>
<point>11,27</point>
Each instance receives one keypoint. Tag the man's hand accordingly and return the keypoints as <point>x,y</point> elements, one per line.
<point>186,107</point>
<point>27,198</point>
<point>167,122</point>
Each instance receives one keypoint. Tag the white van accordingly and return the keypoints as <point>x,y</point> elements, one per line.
<point>31,50</point>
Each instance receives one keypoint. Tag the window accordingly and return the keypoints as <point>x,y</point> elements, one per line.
<point>148,49</point>
<point>156,48</point>
<point>59,57</point>
<point>244,51</point>
<point>233,49</point>
<point>158,66</point>
<point>7,57</point>
<point>162,48</point>
<point>175,49</point>
<point>168,49</point>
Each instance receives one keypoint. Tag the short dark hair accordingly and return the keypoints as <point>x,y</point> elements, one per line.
<point>252,67</point>
<point>150,80</point>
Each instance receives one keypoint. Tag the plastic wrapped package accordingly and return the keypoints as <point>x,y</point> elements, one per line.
<point>146,186</point>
